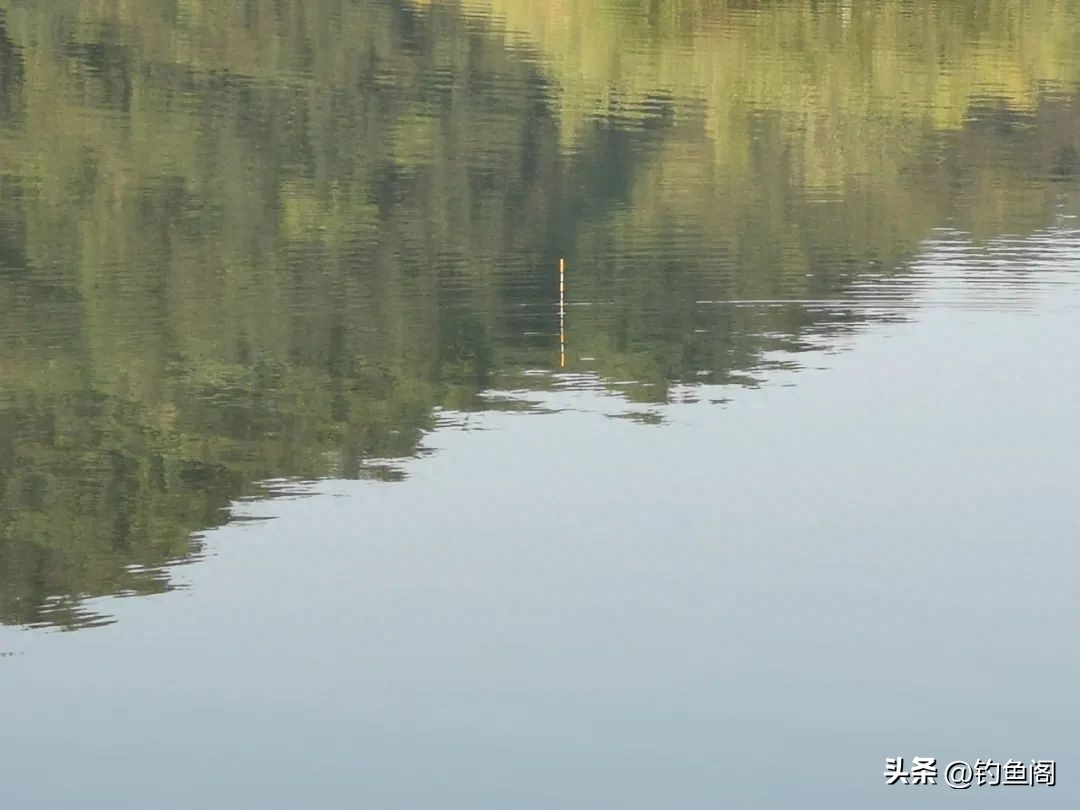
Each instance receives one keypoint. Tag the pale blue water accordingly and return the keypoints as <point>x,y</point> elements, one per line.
<point>748,605</point>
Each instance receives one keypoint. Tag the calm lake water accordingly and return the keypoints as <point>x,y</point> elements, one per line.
<point>300,507</point>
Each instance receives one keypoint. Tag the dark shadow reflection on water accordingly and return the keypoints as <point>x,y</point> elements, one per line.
<point>220,268</point>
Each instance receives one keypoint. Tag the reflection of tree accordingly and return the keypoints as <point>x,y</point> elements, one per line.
<point>241,241</point>
<point>844,71</point>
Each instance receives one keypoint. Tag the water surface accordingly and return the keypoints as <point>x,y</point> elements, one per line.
<point>279,359</point>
